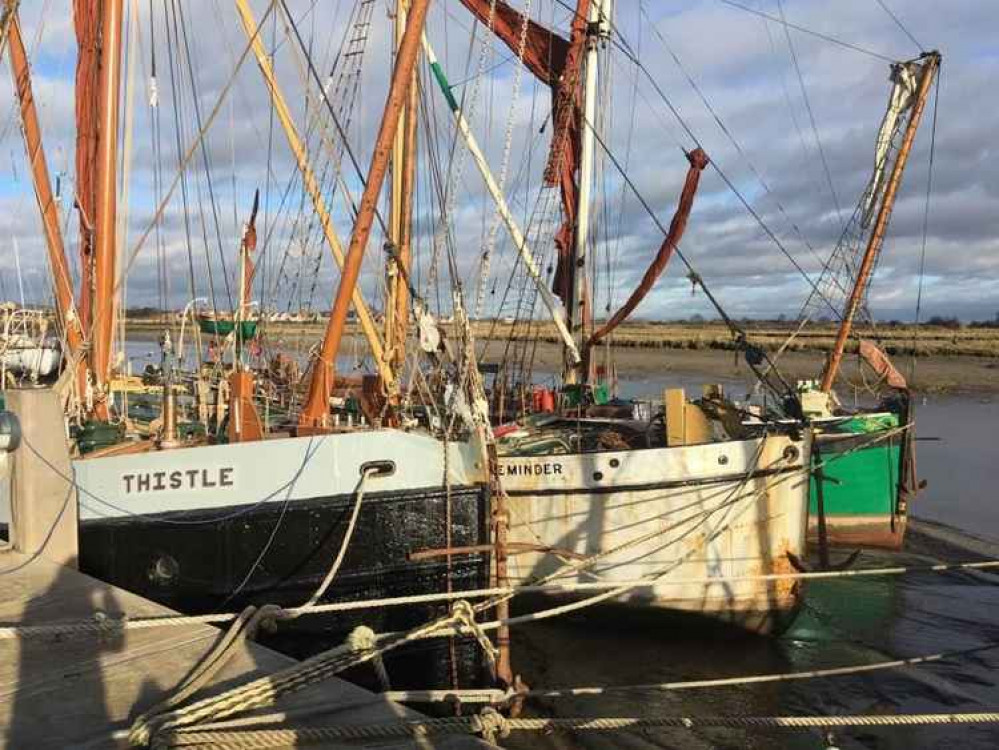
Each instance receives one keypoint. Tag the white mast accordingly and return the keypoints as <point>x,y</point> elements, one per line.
<point>599,29</point>
<point>17,266</point>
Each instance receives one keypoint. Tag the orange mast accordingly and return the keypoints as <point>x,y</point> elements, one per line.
<point>403,161</point>
<point>62,281</point>
<point>881,224</point>
<point>314,413</point>
<point>107,194</point>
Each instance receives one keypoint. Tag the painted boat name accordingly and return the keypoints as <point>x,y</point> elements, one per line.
<point>179,479</point>
<point>525,470</point>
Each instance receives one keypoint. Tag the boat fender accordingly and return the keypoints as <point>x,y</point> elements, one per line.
<point>10,432</point>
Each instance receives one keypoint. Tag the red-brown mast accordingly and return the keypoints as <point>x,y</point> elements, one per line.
<point>86,18</point>
<point>107,194</point>
<point>61,279</point>
<point>881,224</point>
<point>314,413</point>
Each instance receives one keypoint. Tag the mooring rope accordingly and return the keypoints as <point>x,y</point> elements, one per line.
<point>103,622</point>
<point>264,691</point>
<point>498,697</point>
<point>491,724</point>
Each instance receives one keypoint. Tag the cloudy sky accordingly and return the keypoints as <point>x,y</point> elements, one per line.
<point>802,181</point>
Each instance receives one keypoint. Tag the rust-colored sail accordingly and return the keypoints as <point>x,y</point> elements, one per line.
<point>556,61</point>
<point>698,161</point>
<point>87,20</point>
<point>249,246</point>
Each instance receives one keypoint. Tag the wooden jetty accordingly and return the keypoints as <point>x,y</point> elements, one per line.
<point>85,690</point>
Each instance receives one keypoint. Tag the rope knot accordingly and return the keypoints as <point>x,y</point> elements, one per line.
<point>363,639</point>
<point>463,615</point>
<point>491,724</point>
<point>109,627</point>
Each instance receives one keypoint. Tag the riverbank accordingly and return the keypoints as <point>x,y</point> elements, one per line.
<point>963,361</point>
<point>972,376</point>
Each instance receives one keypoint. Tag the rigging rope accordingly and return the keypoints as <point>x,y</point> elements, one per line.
<point>811,114</point>
<point>810,32</point>
<point>899,23</point>
<point>926,220</point>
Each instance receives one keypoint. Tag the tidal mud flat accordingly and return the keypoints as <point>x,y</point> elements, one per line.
<point>965,375</point>
<point>958,372</point>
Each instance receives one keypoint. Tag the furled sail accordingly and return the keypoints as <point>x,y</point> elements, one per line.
<point>904,77</point>
<point>249,246</point>
<point>698,161</point>
<point>86,19</point>
<point>557,62</point>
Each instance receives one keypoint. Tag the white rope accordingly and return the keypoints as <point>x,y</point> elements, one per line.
<point>158,731</point>
<point>125,623</point>
<point>491,724</point>
<point>504,162</point>
<point>348,534</point>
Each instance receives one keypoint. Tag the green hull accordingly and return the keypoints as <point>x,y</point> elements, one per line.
<point>857,476</point>
<point>247,328</point>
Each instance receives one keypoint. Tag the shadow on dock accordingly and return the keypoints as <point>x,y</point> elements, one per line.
<point>81,660</point>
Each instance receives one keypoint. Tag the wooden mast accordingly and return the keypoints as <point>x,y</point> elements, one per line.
<point>316,409</point>
<point>579,313</point>
<point>61,279</point>
<point>401,213</point>
<point>309,180</point>
<point>107,194</point>
<point>881,223</point>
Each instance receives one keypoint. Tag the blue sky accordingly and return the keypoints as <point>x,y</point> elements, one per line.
<point>740,62</point>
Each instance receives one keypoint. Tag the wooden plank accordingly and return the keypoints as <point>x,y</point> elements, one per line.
<point>73,691</point>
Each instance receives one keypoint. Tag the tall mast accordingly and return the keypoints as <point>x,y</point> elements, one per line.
<point>309,179</point>
<point>930,68</point>
<point>401,213</point>
<point>62,281</point>
<point>107,193</point>
<point>316,408</point>
<point>578,311</point>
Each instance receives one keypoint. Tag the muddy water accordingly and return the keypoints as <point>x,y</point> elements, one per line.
<point>845,622</point>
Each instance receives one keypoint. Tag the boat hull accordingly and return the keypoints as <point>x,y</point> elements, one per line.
<point>33,361</point>
<point>858,486</point>
<point>256,523</point>
<point>695,526</point>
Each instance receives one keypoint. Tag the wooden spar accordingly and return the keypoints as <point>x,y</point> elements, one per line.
<point>405,259</point>
<point>395,198</point>
<point>401,215</point>
<point>105,225</point>
<point>61,279</point>
<point>312,185</point>
<point>516,234</point>
<point>881,223</point>
<point>579,312</point>
<point>316,408</point>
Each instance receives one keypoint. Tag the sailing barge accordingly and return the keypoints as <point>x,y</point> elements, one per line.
<point>864,460</point>
<point>688,509</point>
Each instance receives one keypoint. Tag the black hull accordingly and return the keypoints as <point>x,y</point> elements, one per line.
<point>279,553</point>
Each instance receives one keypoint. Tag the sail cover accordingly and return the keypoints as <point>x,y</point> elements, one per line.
<point>698,161</point>
<point>86,19</point>
<point>557,62</point>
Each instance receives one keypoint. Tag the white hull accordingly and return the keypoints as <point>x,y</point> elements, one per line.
<point>684,520</point>
<point>33,361</point>
<point>221,477</point>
